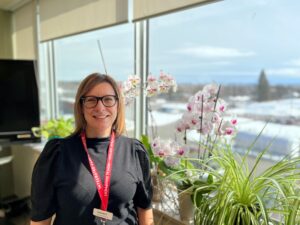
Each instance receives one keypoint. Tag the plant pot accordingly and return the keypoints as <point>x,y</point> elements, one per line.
<point>186,207</point>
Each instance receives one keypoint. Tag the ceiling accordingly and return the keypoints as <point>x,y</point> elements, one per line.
<point>12,5</point>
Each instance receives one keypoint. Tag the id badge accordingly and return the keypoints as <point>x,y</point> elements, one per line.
<point>102,214</point>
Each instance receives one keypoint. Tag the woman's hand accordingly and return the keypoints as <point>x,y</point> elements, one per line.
<point>145,216</point>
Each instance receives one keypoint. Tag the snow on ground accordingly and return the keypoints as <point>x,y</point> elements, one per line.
<point>161,118</point>
<point>290,132</point>
<point>283,138</point>
<point>169,113</point>
<point>278,108</point>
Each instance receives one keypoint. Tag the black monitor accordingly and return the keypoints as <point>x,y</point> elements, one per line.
<point>19,101</point>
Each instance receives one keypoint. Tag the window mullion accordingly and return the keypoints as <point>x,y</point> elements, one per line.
<point>141,69</point>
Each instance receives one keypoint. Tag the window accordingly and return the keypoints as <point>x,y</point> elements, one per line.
<point>251,48</point>
<point>78,56</point>
<point>44,83</point>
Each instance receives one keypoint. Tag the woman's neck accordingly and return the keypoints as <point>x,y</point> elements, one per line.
<point>91,133</point>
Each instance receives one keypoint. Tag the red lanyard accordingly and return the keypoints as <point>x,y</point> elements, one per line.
<point>103,190</point>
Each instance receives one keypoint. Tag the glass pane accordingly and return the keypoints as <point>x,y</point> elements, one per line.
<point>78,56</point>
<point>251,48</point>
<point>43,84</point>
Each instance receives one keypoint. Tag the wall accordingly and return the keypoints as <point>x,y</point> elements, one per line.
<point>17,41</point>
<point>24,32</point>
<point>6,51</point>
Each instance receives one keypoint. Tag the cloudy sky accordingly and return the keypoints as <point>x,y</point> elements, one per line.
<point>230,41</point>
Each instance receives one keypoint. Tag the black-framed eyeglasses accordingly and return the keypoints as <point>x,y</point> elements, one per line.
<point>92,101</point>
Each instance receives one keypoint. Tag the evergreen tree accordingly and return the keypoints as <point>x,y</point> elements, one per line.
<point>263,88</point>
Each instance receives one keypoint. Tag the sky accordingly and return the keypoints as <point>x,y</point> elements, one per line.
<point>229,41</point>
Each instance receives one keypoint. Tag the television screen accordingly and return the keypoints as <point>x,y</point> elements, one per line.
<point>19,100</point>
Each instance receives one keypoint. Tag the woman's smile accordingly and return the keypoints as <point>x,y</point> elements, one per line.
<point>100,118</point>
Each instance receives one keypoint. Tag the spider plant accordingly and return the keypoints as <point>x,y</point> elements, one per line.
<point>236,194</point>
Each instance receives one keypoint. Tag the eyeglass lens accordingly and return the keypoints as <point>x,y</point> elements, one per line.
<point>92,101</point>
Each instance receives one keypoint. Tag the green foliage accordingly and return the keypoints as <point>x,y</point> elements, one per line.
<point>233,194</point>
<point>60,127</point>
<point>226,190</point>
<point>154,160</point>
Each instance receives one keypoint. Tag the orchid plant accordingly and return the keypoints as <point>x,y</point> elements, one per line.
<point>224,189</point>
<point>154,86</point>
<point>205,114</point>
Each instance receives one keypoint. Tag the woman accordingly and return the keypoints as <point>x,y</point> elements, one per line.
<point>95,176</point>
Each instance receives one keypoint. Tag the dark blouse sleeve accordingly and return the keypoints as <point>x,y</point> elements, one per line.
<point>143,195</point>
<point>43,182</point>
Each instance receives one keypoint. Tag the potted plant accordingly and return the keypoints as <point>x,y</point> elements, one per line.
<point>167,163</point>
<point>169,166</point>
<point>154,161</point>
<point>226,190</point>
<point>235,194</point>
<point>174,159</point>
<point>55,128</point>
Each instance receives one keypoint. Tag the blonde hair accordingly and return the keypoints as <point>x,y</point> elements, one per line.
<point>85,86</point>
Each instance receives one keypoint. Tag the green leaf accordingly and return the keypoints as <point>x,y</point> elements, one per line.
<point>210,179</point>
<point>60,127</point>
<point>154,160</point>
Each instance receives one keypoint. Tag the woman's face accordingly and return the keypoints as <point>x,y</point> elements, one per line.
<point>100,118</point>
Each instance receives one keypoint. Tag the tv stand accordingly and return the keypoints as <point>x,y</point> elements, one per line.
<point>4,143</point>
<point>14,206</point>
<point>16,165</point>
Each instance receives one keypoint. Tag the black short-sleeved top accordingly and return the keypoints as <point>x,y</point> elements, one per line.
<point>62,182</point>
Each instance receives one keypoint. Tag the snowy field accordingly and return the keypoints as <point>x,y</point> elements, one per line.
<point>283,138</point>
<point>279,108</point>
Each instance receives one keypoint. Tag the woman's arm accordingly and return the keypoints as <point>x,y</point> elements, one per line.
<point>145,216</point>
<point>43,222</point>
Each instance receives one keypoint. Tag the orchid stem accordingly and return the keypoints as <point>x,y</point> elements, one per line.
<point>201,124</point>
<point>153,130</point>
